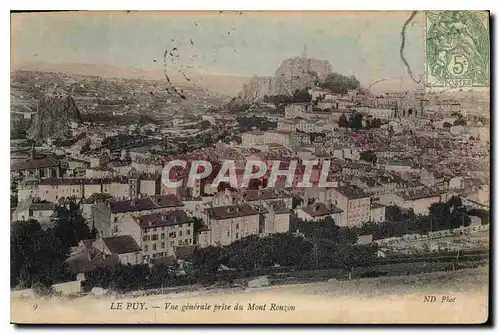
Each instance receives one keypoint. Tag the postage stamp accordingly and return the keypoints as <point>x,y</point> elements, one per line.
<point>457,49</point>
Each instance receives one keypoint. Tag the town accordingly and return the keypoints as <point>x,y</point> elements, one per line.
<point>407,175</point>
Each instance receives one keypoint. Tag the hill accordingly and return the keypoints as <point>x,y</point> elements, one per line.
<point>224,84</point>
<point>292,74</point>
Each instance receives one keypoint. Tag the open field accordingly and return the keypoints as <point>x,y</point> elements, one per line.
<point>396,299</point>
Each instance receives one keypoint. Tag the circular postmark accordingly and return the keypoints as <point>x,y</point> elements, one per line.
<point>458,47</point>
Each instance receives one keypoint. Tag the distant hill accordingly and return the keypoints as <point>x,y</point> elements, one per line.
<point>224,84</point>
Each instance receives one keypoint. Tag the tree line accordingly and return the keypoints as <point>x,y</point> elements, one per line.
<point>355,121</point>
<point>442,216</point>
<point>37,255</point>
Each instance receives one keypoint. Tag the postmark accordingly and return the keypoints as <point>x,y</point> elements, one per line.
<point>457,49</point>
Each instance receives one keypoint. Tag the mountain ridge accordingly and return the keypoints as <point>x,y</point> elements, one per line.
<point>225,84</point>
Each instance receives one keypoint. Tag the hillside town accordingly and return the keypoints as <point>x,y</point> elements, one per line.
<point>408,173</point>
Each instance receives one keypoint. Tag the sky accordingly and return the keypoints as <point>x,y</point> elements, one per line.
<point>365,44</point>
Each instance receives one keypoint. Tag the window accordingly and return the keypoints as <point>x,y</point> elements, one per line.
<point>237,235</point>
<point>227,232</point>
<point>154,237</point>
<point>189,224</point>
<point>188,232</point>
<point>180,233</point>
<point>154,246</point>
<point>162,236</point>
<point>162,245</point>
<point>237,226</point>
<point>145,238</point>
<point>186,241</point>
<point>172,235</point>
<point>179,242</point>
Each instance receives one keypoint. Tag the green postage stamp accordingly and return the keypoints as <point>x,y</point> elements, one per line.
<point>457,49</point>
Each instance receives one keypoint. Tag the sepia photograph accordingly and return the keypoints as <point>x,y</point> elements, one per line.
<point>250,167</point>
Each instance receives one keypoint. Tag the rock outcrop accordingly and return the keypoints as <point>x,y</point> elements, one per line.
<point>54,116</point>
<point>292,74</point>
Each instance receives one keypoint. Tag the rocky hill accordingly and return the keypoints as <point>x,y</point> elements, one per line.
<point>54,114</point>
<point>292,74</point>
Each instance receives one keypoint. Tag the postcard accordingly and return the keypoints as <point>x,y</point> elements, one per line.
<point>250,167</point>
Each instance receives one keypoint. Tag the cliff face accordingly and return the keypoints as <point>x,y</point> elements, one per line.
<point>53,117</point>
<point>292,74</point>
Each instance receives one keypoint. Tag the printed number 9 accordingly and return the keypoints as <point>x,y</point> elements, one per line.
<point>35,306</point>
<point>458,65</point>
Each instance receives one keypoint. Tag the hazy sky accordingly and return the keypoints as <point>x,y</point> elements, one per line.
<point>365,44</point>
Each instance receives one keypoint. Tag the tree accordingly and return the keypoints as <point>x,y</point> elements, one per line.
<point>277,100</point>
<point>368,156</point>
<point>343,122</point>
<point>197,225</point>
<point>338,83</point>
<point>296,201</point>
<point>459,122</point>
<point>36,255</point>
<point>455,201</point>
<point>484,215</point>
<point>70,226</point>
<point>356,121</point>
<point>301,95</point>
<point>376,123</point>
<point>13,194</point>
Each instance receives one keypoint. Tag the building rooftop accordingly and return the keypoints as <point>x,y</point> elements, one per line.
<point>33,164</point>
<point>82,181</point>
<point>42,207</point>
<point>250,195</point>
<point>321,209</point>
<point>278,207</point>
<point>410,195</point>
<point>175,217</point>
<point>147,203</point>
<point>352,192</point>
<point>232,211</point>
<point>121,244</point>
